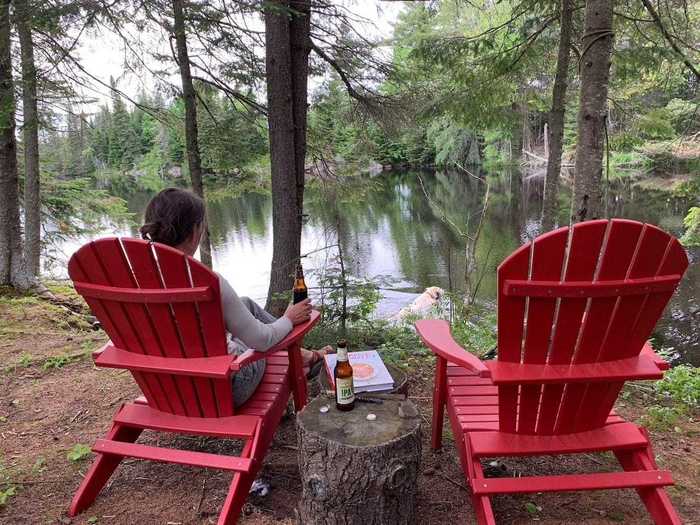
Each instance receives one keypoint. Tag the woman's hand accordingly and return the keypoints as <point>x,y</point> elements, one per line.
<point>299,313</point>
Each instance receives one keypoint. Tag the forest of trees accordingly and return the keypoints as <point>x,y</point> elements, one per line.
<point>592,85</point>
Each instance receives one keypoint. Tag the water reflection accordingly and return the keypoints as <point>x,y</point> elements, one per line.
<point>414,226</point>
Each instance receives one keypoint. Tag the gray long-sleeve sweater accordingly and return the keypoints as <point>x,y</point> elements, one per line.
<point>254,332</point>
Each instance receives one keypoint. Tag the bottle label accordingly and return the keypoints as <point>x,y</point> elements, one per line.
<point>343,390</point>
<point>342,353</point>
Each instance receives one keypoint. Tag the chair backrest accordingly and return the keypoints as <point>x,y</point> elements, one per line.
<point>185,323</point>
<point>585,294</point>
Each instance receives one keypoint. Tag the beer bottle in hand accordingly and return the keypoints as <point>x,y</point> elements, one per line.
<point>344,389</point>
<point>300,291</point>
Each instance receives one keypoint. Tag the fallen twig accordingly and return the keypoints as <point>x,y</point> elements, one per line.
<point>201,498</point>
<point>455,483</point>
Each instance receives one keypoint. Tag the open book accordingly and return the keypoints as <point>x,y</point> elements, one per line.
<point>369,371</point>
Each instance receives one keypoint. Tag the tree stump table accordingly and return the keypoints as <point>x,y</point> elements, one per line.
<point>356,471</point>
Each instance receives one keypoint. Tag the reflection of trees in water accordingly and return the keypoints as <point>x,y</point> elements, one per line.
<point>245,217</point>
<point>418,230</point>
<point>679,329</point>
<point>394,213</point>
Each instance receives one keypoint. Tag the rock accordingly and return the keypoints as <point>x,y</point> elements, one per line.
<point>407,409</point>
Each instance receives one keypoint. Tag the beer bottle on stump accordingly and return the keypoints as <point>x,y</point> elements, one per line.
<point>344,389</point>
<point>300,290</point>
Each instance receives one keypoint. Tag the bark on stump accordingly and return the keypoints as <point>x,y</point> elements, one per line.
<point>355,471</point>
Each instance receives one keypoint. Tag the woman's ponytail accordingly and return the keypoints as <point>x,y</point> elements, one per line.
<point>171,216</point>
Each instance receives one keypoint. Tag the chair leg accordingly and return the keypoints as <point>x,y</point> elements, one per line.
<point>483,510</point>
<point>236,497</point>
<point>656,499</point>
<point>439,398</point>
<point>101,470</point>
<point>482,504</point>
<point>241,483</point>
<point>297,377</point>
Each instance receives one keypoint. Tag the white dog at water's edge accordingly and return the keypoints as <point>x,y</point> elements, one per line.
<point>421,305</point>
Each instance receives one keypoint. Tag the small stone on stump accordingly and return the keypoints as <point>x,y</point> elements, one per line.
<point>358,471</point>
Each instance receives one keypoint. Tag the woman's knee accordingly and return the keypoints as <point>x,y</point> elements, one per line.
<point>249,303</point>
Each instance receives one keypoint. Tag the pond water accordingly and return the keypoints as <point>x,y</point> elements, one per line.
<point>407,226</point>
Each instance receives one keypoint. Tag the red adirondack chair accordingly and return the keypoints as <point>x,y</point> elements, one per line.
<point>575,309</point>
<point>162,312</point>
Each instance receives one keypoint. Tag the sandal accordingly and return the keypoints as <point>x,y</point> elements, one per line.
<point>317,362</point>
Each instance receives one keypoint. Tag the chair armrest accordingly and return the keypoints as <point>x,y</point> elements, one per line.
<point>632,368</point>
<point>99,351</point>
<point>215,367</point>
<point>658,360</point>
<point>297,333</point>
<point>436,335</point>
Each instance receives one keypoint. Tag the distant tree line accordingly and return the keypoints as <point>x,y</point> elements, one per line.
<point>147,139</point>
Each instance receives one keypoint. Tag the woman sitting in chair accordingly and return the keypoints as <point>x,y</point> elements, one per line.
<point>176,217</point>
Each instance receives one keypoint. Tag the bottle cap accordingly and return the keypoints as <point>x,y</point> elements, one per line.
<point>342,343</point>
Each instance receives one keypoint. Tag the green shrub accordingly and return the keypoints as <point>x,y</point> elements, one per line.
<point>656,125</point>
<point>625,141</point>
<point>691,237</point>
<point>681,385</point>
<point>661,417</point>
<point>684,115</point>
<point>79,452</point>
<point>678,395</point>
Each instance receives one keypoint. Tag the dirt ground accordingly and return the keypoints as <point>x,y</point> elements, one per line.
<point>52,398</point>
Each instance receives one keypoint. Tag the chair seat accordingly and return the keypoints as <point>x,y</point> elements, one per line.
<point>273,391</point>
<point>473,401</point>
<point>621,436</point>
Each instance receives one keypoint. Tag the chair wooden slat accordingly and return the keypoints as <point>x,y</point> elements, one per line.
<point>653,248</point>
<point>214,338</point>
<point>214,367</point>
<point>143,416</point>
<point>145,270</point>
<point>675,262</point>
<point>548,255</point>
<point>147,275</point>
<point>120,327</point>
<point>181,457</point>
<point>582,259</point>
<point>616,257</point>
<point>174,273</point>
<point>574,482</point>
<point>619,436</point>
<point>511,318</point>
<point>586,289</point>
<point>145,295</point>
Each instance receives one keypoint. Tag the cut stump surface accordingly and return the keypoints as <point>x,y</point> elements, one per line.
<point>356,471</point>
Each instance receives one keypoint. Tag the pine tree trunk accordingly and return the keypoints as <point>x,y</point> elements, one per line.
<point>189,96</point>
<point>516,140</point>
<point>595,73</point>
<point>30,136</point>
<point>300,27</point>
<point>13,270</point>
<point>550,208</point>
<point>286,53</point>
